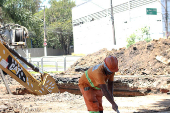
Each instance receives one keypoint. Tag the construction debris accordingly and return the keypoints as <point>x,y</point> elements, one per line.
<point>163,60</point>
<point>141,58</point>
<point>137,60</point>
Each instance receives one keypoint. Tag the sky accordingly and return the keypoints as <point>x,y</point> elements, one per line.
<point>45,2</point>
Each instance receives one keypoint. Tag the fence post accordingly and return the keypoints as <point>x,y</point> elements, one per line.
<point>56,64</point>
<point>64,63</point>
<point>42,64</point>
<point>38,63</point>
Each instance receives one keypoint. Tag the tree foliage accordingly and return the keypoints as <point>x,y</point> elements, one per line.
<point>59,24</point>
<point>139,35</point>
<point>19,11</point>
<point>131,40</point>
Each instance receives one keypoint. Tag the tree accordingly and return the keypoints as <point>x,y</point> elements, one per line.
<point>131,40</point>
<point>139,35</point>
<point>19,11</point>
<point>59,24</point>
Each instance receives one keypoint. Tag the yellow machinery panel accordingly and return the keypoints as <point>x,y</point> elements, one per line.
<point>49,83</point>
<point>11,66</point>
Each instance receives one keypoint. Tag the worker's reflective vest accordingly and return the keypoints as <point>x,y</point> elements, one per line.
<point>91,83</point>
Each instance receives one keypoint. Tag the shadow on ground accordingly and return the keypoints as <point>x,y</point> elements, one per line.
<point>161,107</point>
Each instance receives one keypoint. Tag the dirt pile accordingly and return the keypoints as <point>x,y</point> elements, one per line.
<point>138,59</point>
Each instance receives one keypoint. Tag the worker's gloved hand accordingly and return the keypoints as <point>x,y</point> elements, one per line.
<point>114,106</point>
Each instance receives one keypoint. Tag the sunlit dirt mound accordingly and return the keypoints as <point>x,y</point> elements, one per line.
<point>138,59</point>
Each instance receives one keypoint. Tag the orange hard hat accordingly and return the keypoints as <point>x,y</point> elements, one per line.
<point>112,63</point>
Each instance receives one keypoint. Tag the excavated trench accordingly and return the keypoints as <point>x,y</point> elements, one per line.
<point>117,92</point>
<point>73,89</point>
<point>123,86</point>
<point>121,92</point>
<point>121,89</point>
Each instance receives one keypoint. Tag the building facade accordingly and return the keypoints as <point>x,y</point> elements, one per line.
<point>93,28</point>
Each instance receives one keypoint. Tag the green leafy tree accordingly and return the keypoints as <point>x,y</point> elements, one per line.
<point>59,24</point>
<point>145,31</point>
<point>148,39</point>
<point>131,40</point>
<point>19,11</point>
<point>139,35</point>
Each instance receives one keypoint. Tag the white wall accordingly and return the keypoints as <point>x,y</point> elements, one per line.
<point>93,6</point>
<point>139,19</point>
<point>121,28</point>
<point>92,36</point>
<point>88,8</point>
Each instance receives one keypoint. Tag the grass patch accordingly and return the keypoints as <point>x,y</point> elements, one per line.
<point>50,66</point>
<point>33,72</point>
<point>53,71</point>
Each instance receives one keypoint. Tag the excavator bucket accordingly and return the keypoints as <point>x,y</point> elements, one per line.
<point>49,83</point>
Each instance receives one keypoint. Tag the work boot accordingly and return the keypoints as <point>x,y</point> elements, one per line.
<point>168,93</point>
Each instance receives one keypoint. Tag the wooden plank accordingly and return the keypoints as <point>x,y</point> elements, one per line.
<point>163,60</point>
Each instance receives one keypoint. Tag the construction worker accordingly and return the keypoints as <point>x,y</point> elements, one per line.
<point>93,85</point>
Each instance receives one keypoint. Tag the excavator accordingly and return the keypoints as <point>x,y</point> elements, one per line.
<point>12,36</point>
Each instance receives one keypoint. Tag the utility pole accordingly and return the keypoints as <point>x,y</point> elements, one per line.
<point>45,43</point>
<point>112,18</point>
<point>166,19</point>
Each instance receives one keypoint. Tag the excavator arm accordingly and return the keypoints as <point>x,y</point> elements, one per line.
<point>10,65</point>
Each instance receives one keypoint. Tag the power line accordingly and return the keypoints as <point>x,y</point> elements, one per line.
<point>161,4</point>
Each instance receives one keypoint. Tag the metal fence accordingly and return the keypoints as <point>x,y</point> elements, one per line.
<point>53,63</point>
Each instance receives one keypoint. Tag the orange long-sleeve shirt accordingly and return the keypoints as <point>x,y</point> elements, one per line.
<point>97,76</point>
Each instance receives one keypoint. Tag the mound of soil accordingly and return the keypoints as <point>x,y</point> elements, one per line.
<point>138,59</point>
